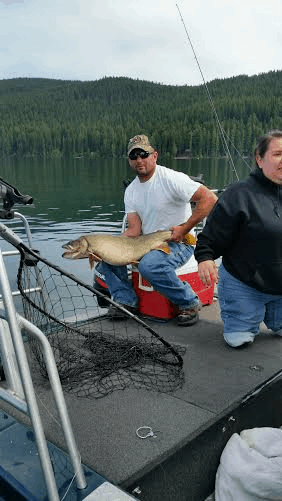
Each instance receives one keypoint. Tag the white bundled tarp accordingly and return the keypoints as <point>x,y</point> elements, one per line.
<point>251,467</point>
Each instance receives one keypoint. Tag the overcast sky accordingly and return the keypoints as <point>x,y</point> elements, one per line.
<point>145,39</point>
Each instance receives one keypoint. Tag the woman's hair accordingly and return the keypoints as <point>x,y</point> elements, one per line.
<point>264,141</point>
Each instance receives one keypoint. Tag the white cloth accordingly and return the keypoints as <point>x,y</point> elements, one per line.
<point>251,467</point>
<point>162,201</point>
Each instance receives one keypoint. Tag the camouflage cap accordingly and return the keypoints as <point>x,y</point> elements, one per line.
<point>141,142</point>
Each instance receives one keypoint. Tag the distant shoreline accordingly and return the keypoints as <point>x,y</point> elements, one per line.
<point>123,157</point>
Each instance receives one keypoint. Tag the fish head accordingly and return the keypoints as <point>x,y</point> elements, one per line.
<point>76,249</point>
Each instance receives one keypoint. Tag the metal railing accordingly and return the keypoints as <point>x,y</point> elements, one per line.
<point>20,391</point>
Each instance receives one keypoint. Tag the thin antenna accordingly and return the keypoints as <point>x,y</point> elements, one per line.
<point>210,98</point>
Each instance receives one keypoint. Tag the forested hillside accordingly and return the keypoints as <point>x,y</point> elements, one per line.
<point>54,117</point>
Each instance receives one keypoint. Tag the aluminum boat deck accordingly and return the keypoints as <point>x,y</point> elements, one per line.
<point>225,390</point>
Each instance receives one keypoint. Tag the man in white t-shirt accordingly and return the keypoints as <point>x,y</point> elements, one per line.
<point>159,199</point>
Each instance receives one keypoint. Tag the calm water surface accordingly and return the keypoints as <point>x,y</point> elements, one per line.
<point>75,196</point>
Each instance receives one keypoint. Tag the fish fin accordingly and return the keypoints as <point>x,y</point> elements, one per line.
<point>164,248</point>
<point>93,258</point>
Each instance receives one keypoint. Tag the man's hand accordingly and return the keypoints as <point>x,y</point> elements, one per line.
<point>131,232</point>
<point>208,272</point>
<point>178,233</point>
<point>134,228</point>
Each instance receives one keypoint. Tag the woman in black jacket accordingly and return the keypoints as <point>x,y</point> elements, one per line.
<point>245,228</point>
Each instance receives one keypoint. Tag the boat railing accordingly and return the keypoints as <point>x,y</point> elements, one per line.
<point>19,391</point>
<point>15,252</point>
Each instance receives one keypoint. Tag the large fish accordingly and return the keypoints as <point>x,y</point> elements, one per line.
<point>115,249</point>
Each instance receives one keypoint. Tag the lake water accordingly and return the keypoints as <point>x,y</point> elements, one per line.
<point>76,195</point>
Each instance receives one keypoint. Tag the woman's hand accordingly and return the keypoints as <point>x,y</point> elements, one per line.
<point>208,272</point>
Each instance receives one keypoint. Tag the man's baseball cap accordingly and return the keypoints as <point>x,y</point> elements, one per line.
<point>141,142</point>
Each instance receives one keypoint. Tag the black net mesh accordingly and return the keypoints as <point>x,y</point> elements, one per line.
<point>95,353</point>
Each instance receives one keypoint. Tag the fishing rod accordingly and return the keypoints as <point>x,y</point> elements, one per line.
<point>222,132</point>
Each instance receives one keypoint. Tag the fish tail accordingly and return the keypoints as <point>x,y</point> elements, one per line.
<point>189,239</point>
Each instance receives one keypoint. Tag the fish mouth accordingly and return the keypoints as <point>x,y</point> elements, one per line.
<point>67,246</point>
<point>70,254</point>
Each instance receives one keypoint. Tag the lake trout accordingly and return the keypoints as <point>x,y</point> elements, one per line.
<point>116,249</point>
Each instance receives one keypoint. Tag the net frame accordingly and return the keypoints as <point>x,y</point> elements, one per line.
<point>95,353</point>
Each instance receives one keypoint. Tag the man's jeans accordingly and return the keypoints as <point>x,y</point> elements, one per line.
<point>243,308</point>
<point>157,268</point>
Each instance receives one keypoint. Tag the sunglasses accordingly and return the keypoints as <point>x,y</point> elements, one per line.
<point>139,153</point>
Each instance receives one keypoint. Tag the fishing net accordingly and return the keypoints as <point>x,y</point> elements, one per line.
<point>95,354</point>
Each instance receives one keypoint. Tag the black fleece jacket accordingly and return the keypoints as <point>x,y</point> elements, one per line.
<point>245,228</point>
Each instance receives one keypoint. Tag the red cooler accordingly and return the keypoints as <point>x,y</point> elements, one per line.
<point>154,304</point>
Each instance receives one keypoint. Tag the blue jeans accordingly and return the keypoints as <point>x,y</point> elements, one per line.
<point>243,308</point>
<point>157,268</point>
